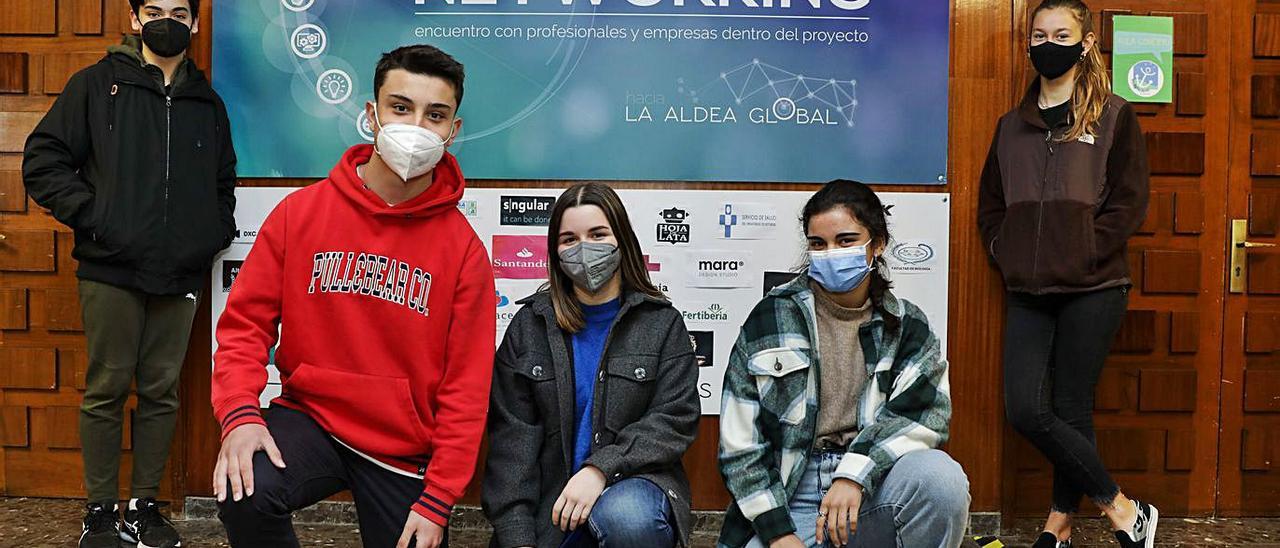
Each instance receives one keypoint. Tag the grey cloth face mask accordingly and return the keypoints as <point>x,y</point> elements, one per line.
<point>590,264</point>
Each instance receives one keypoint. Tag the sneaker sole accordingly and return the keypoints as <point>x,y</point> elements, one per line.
<point>125,536</point>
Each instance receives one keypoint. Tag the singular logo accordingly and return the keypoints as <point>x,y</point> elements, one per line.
<point>520,257</point>
<point>672,229</point>
<point>913,253</point>
<point>230,269</point>
<point>651,264</point>
<point>527,210</point>
<point>703,347</point>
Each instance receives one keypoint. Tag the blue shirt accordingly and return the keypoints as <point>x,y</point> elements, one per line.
<point>588,348</point>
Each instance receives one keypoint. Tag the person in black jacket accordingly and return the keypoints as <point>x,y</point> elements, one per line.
<point>594,397</point>
<point>136,158</point>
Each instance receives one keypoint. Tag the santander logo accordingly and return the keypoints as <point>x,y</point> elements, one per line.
<point>520,257</point>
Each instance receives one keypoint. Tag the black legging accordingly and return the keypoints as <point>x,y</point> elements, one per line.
<point>1054,349</point>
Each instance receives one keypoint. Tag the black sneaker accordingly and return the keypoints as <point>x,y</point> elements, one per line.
<point>1143,534</point>
<point>145,526</point>
<point>1050,540</point>
<point>101,527</point>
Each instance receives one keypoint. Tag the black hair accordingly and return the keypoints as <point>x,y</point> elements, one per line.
<point>865,206</point>
<point>136,5</point>
<point>421,59</point>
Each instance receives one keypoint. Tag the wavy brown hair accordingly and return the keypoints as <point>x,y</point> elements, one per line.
<point>635,276</point>
<point>1092,81</point>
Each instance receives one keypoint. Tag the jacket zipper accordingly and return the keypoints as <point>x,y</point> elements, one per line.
<point>168,138</point>
<point>1035,261</point>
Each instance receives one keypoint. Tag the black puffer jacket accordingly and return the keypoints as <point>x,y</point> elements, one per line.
<point>144,175</point>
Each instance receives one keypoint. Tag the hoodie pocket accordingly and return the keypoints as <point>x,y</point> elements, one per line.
<point>374,414</point>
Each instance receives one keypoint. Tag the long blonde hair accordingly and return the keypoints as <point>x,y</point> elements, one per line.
<point>1093,82</point>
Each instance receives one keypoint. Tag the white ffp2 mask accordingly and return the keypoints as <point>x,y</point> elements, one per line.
<point>409,150</point>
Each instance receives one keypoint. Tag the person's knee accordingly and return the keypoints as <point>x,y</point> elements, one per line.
<point>946,486</point>
<point>267,501</point>
<point>1027,419</point>
<point>634,515</point>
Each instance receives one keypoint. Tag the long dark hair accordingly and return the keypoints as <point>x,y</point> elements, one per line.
<point>865,206</point>
<point>635,276</point>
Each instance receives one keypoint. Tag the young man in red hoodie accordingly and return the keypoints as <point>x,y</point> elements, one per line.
<point>380,295</point>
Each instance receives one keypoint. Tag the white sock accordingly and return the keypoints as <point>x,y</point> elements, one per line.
<point>133,505</point>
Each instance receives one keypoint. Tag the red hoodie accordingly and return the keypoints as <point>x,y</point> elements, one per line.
<point>385,324</point>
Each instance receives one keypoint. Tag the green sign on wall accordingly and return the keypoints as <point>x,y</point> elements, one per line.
<point>1142,59</point>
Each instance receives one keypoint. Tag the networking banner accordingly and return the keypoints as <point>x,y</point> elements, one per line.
<point>714,254</point>
<point>681,90</point>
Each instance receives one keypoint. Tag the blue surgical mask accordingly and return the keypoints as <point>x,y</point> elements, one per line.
<point>840,270</point>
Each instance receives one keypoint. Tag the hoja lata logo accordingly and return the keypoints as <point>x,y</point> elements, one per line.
<point>672,229</point>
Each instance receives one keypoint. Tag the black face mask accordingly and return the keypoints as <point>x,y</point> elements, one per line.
<point>1053,60</point>
<point>166,37</point>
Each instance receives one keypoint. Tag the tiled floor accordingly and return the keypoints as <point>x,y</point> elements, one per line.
<point>56,523</point>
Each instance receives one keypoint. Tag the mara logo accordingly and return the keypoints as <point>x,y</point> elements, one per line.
<point>720,266</point>
<point>526,210</point>
<point>520,257</point>
<point>719,269</point>
<point>913,253</point>
<point>708,313</point>
<point>672,229</point>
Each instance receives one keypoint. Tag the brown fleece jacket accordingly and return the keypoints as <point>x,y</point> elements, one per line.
<point>1056,215</point>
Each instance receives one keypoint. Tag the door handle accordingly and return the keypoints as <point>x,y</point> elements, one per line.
<point>1239,254</point>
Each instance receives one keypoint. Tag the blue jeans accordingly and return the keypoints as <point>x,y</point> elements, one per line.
<point>633,512</point>
<point>922,502</point>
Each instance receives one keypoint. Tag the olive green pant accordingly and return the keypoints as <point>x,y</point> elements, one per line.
<point>132,336</point>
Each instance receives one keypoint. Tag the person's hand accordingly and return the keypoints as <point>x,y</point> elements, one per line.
<point>235,460</point>
<point>577,499</point>
<point>425,531</point>
<point>787,541</point>
<point>838,514</point>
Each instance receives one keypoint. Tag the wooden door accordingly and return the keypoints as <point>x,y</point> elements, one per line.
<point>1156,411</point>
<point>1250,447</point>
